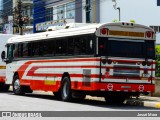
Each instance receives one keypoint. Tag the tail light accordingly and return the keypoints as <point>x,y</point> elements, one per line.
<point>104,31</point>
<point>148,63</point>
<point>104,61</point>
<point>144,63</point>
<point>109,61</point>
<point>149,34</point>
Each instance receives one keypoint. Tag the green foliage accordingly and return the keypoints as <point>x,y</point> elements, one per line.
<point>115,20</point>
<point>157,49</point>
<point>132,21</point>
<point>157,60</point>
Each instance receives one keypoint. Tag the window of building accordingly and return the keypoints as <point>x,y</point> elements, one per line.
<point>70,10</point>
<point>49,14</point>
<point>60,12</point>
<point>88,11</point>
<point>158,2</point>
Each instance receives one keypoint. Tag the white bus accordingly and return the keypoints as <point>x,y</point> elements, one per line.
<point>3,42</point>
<point>113,60</point>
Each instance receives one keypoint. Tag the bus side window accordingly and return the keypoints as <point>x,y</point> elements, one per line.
<point>15,51</point>
<point>70,46</point>
<point>49,48</point>
<point>35,49</point>
<point>61,46</point>
<point>41,48</point>
<point>80,47</point>
<point>25,49</point>
<point>10,51</point>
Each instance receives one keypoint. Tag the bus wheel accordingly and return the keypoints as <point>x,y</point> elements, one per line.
<point>17,88</point>
<point>66,93</point>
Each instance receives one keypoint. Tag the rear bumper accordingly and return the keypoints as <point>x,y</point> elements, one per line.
<point>123,87</point>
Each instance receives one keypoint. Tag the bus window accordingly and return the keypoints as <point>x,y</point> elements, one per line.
<point>61,47</point>
<point>41,49</point>
<point>20,50</point>
<point>48,47</point>
<point>25,49</point>
<point>35,49</point>
<point>70,46</point>
<point>15,51</point>
<point>10,51</point>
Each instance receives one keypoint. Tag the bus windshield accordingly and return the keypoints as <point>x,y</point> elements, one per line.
<point>126,48</point>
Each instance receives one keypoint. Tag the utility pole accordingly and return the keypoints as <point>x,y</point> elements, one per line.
<point>20,21</point>
<point>118,8</point>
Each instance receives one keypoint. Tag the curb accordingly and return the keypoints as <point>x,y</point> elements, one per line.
<point>139,102</point>
<point>133,102</point>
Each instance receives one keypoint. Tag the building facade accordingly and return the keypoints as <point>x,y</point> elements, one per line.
<point>61,12</point>
<point>10,16</point>
<point>7,16</point>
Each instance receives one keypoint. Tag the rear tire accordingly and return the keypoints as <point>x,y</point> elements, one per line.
<point>66,93</point>
<point>17,88</point>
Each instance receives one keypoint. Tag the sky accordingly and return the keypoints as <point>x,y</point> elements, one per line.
<point>141,11</point>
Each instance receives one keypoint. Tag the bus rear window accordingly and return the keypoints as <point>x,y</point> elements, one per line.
<point>126,48</point>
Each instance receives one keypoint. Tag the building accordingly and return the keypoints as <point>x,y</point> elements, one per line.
<point>158,2</point>
<point>26,16</point>
<point>9,16</point>
<point>1,13</point>
<point>60,12</point>
<point>6,16</point>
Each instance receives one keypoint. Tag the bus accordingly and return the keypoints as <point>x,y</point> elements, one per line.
<point>112,60</point>
<point>3,41</point>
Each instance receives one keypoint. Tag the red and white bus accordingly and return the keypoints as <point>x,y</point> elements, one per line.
<point>113,60</point>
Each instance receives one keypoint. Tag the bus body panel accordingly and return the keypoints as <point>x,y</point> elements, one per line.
<point>84,74</point>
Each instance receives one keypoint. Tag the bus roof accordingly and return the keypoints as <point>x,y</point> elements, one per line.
<point>88,29</point>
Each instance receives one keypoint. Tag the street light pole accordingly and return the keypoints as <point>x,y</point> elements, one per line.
<point>118,8</point>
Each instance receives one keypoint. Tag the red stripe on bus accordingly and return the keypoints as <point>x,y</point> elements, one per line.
<point>91,86</point>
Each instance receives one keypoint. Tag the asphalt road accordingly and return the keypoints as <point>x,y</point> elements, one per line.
<point>45,101</point>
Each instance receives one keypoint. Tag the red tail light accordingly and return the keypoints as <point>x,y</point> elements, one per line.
<point>149,34</point>
<point>104,31</point>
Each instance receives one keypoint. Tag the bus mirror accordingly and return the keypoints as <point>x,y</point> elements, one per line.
<point>3,55</point>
